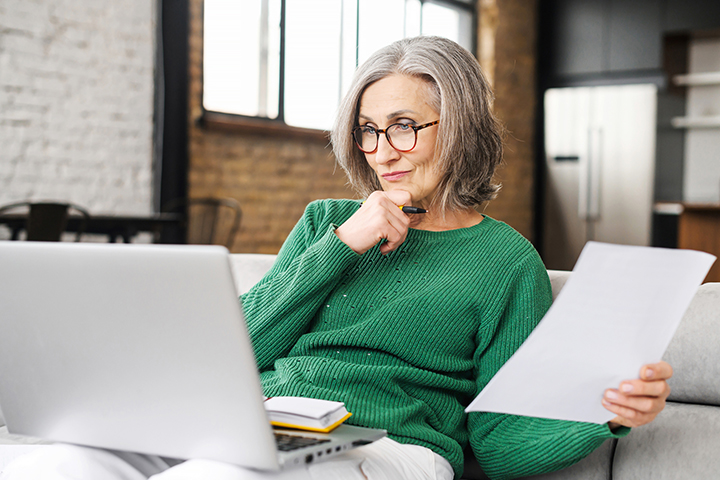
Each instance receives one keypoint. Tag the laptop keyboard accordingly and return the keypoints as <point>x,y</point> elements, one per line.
<point>286,443</point>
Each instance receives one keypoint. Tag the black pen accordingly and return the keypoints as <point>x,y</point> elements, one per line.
<point>411,209</point>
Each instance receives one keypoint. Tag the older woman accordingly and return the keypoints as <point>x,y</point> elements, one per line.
<point>405,317</point>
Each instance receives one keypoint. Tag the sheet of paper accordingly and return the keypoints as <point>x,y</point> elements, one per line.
<point>617,312</point>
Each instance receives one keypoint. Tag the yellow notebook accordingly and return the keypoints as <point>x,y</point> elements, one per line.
<point>306,413</point>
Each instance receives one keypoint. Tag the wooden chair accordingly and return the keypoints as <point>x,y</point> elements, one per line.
<point>209,221</point>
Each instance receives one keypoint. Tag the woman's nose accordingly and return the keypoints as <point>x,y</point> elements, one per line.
<point>385,152</point>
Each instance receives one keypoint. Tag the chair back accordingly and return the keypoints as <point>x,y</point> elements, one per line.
<point>210,221</point>
<point>46,221</point>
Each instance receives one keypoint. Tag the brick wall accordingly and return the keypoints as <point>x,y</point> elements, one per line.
<point>274,176</point>
<point>76,102</point>
<point>512,32</point>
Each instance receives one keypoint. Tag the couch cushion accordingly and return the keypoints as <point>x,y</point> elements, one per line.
<point>682,442</point>
<point>693,351</point>
<point>249,268</point>
<point>557,280</point>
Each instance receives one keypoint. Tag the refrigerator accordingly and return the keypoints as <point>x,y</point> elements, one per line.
<point>600,165</point>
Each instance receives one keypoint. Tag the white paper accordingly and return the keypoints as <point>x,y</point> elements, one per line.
<point>616,313</point>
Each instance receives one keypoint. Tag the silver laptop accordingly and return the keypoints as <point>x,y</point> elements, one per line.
<point>137,348</point>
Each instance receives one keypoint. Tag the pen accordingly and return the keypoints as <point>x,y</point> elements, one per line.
<point>411,209</point>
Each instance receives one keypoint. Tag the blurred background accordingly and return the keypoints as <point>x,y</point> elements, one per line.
<point>205,121</point>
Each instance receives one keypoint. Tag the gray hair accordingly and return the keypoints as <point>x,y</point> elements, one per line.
<point>469,141</point>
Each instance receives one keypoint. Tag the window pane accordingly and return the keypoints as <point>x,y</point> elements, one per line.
<point>412,18</point>
<point>241,54</point>
<point>312,62</point>
<point>349,50</point>
<point>381,23</point>
<point>447,21</point>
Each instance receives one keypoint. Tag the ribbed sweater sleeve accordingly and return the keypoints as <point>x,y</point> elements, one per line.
<point>511,446</point>
<point>280,308</point>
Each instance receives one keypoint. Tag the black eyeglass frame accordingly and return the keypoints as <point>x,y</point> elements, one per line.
<point>378,131</point>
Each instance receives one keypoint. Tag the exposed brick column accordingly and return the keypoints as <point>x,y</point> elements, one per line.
<point>511,27</point>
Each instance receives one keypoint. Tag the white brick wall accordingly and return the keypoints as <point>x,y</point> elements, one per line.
<point>76,102</point>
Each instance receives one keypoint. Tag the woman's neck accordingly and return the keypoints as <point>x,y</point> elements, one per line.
<point>453,220</point>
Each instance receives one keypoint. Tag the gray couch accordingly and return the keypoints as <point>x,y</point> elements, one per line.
<point>683,442</point>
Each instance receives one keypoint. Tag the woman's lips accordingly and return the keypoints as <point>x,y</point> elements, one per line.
<point>395,176</point>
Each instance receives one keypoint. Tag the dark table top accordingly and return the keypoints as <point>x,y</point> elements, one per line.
<point>115,226</point>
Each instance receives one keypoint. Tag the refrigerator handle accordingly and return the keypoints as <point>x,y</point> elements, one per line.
<point>583,178</point>
<point>595,176</point>
<point>589,177</point>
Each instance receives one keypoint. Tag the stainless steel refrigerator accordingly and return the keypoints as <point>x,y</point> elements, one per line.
<point>600,164</point>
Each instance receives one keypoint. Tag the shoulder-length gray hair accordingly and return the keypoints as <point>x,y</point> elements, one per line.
<point>469,140</point>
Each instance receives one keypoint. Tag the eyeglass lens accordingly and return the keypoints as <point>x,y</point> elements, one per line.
<point>401,137</point>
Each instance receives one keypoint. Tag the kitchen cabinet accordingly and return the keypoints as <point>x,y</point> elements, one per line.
<point>635,35</point>
<point>699,229</point>
<point>600,39</point>
<point>592,37</point>
<point>685,15</point>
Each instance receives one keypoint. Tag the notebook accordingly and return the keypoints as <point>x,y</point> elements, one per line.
<point>141,348</point>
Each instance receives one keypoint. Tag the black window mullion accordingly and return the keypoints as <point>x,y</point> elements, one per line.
<point>281,69</point>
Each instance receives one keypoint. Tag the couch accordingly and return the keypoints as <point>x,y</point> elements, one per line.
<point>683,442</point>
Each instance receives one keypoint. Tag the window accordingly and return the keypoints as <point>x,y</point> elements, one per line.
<point>292,60</point>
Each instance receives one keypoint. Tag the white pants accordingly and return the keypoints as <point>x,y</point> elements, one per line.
<point>384,459</point>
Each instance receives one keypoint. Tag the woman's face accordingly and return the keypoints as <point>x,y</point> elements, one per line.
<point>401,99</point>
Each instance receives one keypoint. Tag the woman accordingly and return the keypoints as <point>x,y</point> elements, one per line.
<point>406,316</point>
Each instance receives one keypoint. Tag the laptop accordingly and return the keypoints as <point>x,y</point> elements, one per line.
<point>141,348</point>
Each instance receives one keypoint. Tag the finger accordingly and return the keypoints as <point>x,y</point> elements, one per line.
<point>395,236</point>
<point>656,371</point>
<point>399,197</point>
<point>627,416</point>
<point>389,202</point>
<point>645,388</point>
<point>641,404</point>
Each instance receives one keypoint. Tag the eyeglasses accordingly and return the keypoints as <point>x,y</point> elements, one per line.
<point>401,136</point>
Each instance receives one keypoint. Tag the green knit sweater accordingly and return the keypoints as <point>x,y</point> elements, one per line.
<point>408,339</point>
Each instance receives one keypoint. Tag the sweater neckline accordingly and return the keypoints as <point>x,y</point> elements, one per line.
<point>457,233</point>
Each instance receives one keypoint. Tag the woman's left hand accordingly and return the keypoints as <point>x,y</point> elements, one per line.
<point>638,402</point>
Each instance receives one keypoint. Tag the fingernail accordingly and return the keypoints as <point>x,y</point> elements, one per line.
<point>649,373</point>
<point>626,387</point>
<point>611,395</point>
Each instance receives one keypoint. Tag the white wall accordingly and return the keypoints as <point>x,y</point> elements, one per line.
<point>76,102</point>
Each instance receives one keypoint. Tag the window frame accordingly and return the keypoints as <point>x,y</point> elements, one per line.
<point>234,122</point>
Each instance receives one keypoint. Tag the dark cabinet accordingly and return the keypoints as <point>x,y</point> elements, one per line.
<point>635,35</point>
<point>576,35</point>
<point>685,15</point>
<point>611,38</point>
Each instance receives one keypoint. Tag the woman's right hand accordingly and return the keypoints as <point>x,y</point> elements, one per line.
<point>378,219</point>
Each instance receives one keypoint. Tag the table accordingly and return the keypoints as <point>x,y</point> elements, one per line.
<point>116,227</point>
